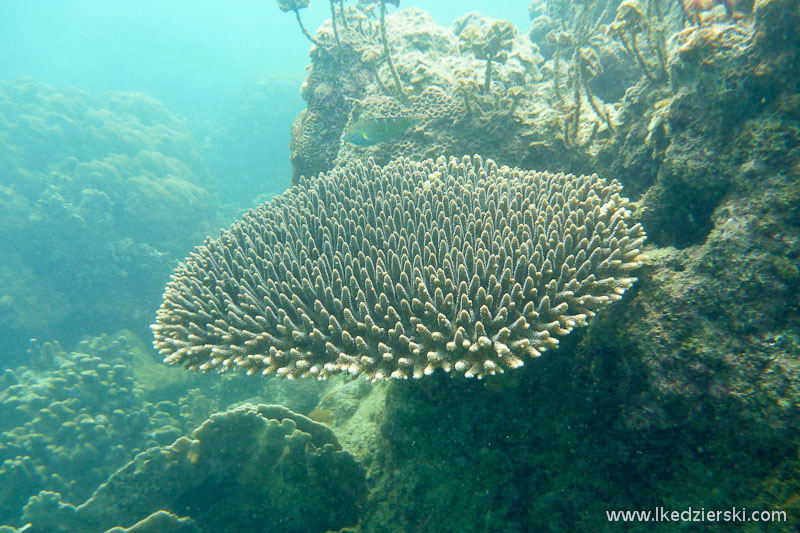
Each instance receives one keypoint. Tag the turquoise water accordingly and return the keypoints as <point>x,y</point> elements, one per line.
<point>189,54</point>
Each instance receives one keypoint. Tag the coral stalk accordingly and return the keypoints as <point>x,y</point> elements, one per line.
<point>333,22</point>
<point>385,41</point>
<point>659,39</point>
<point>576,96</point>
<point>304,30</point>
<point>382,85</point>
<point>344,16</point>
<point>640,59</point>
<point>487,84</point>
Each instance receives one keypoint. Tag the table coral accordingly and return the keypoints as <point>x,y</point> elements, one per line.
<point>401,270</point>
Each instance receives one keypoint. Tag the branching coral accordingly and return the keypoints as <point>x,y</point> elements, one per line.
<point>633,19</point>
<point>584,35</point>
<point>575,40</point>
<point>397,271</point>
<point>493,45</point>
<point>367,32</point>
<point>630,22</point>
<point>589,67</point>
<point>370,57</point>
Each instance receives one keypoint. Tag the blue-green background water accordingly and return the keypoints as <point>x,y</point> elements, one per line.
<point>189,54</point>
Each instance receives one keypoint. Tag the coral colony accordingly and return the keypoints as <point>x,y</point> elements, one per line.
<point>396,271</point>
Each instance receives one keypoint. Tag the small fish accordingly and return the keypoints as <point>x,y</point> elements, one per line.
<point>369,131</point>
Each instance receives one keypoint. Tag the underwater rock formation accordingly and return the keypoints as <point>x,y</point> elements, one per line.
<point>713,326</point>
<point>505,99</point>
<point>254,468</point>
<point>396,271</point>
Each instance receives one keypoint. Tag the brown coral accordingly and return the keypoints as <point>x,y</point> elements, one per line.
<point>395,271</point>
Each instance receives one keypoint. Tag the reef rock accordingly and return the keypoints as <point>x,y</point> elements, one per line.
<point>479,87</point>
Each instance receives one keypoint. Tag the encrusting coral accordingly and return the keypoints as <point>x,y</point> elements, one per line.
<point>253,468</point>
<point>399,270</point>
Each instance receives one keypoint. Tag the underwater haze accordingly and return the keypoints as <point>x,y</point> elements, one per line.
<point>188,54</point>
<point>367,266</point>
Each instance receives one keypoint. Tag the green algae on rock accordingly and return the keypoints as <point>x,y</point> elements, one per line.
<point>396,271</point>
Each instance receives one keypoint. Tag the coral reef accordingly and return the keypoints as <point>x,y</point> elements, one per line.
<point>482,86</point>
<point>687,394</point>
<point>630,21</point>
<point>254,468</point>
<point>319,281</point>
<point>66,429</point>
<point>546,99</point>
<point>97,196</point>
<point>69,419</point>
<point>558,457</point>
<point>699,351</point>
